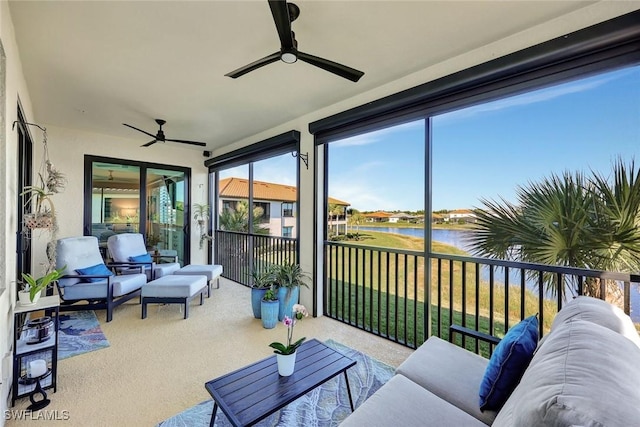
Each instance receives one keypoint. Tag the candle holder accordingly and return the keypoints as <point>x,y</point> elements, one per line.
<point>37,404</point>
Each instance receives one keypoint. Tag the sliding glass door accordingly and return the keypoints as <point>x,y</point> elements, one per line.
<point>136,197</point>
<point>166,218</point>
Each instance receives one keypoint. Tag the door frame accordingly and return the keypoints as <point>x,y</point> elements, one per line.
<point>89,160</point>
<point>24,179</point>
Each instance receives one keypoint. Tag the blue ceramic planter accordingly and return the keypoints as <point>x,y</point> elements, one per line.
<point>256,297</point>
<point>287,297</point>
<point>269,314</point>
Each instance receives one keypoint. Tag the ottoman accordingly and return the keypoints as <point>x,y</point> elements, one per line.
<point>173,290</point>
<point>212,271</point>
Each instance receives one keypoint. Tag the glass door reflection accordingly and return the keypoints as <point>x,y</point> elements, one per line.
<point>166,216</point>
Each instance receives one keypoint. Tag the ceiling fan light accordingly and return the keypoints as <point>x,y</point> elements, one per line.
<point>289,57</point>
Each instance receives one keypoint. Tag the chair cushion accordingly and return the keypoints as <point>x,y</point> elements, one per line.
<point>76,252</point>
<point>210,270</point>
<point>583,375</point>
<point>141,258</point>
<point>122,246</point>
<point>94,270</point>
<point>121,285</point>
<point>160,270</point>
<point>508,362</point>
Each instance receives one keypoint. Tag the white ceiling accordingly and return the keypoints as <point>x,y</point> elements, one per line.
<point>93,65</point>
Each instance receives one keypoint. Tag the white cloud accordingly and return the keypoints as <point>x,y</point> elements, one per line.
<point>375,136</point>
<point>525,99</point>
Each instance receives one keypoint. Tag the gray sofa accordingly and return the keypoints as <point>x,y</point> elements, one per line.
<point>585,372</point>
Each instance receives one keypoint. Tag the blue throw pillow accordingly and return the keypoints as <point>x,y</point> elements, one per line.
<point>94,270</point>
<point>508,363</point>
<point>140,258</point>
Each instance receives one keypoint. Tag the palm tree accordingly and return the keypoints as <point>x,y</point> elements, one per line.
<point>569,220</point>
<point>356,218</point>
<point>335,210</point>
<point>238,219</point>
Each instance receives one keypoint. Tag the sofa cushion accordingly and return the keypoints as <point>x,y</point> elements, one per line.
<point>583,375</point>
<point>450,373</point>
<point>401,402</point>
<point>94,270</point>
<point>597,311</point>
<point>508,362</point>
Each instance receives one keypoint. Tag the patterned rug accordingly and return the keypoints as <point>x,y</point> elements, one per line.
<point>328,405</point>
<point>79,333</point>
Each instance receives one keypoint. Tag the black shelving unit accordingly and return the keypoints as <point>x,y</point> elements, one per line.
<point>25,352</point>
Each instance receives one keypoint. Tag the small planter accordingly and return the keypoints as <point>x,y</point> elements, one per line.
<point>40,220</point>
<point>287,297</point>
<point>286,364</point>
<point>25,298</point>
<point>256,298</point>
<point>269,313</point>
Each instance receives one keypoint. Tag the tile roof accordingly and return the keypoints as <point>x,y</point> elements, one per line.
<point>238,188</point>
<point>378,214</point>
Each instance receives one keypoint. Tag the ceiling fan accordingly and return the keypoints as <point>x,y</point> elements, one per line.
<point>283,15</point>
<point>159,137</point>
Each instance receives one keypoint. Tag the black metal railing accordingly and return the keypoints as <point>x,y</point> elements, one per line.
<point>238,253</point>
<point>383,291</point>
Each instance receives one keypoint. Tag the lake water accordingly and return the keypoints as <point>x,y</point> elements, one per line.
<point>456,238</point>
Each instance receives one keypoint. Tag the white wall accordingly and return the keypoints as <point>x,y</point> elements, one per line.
<point>67,148</point>
<point>557,27</point>
<point>15,89</point>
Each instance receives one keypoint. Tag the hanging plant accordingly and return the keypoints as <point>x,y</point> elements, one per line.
<point>51,181</point>
<point>43,215</point>
<point>201,215</point>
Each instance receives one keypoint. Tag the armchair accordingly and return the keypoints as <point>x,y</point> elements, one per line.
<point>87,278</point>
<point>129,248</point>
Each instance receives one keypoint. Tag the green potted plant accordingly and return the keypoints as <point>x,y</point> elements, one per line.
<point>269,309</point>
<point>262,279</point>
<point>152,241</point>
<point>290,278</point>
<point>32,287</point>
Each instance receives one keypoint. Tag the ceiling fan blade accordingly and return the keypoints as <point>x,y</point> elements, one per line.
<point>150,142</point>
<point>253,66</point>
<point>140,130</point>
<point>280,12</point>
<point>184,141</point>
<point>332,67</point>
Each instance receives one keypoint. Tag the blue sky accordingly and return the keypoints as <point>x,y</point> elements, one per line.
<point>484,151</point>
<point>487,150</point>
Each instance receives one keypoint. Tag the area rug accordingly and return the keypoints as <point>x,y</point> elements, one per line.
<point>79,333</point>
<point>327,405</point>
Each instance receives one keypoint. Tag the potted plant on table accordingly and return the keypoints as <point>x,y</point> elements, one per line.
<point>269,309</point>
<point>261,281</point>
<point>290,278</point>
<point>32,287</point>
<point>286,354</point>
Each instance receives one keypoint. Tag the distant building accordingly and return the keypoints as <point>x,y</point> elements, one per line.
<point>278,203</point>
<point>377,216</point>
<point>405,217</point>
<point>458,215</point>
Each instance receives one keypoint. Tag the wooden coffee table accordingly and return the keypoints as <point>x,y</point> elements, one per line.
<point>254,392</point>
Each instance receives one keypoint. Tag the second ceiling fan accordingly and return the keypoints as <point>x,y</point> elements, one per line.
<point>159,136</point>
<point>283,15</point>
